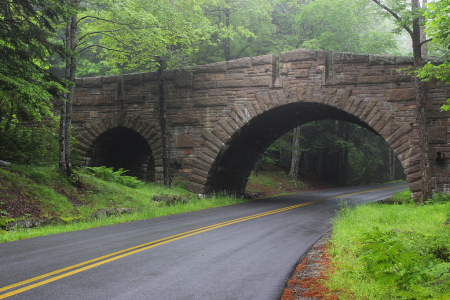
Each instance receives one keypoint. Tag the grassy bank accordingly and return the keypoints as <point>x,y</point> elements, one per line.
<point>392,251</point>
<point>38,192</point>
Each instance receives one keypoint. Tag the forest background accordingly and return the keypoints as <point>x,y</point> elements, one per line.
<point>45,44</point>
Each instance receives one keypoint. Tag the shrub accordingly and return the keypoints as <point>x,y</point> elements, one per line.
<point>108,174</point>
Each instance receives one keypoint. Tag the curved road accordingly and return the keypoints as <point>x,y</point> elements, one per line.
<point>242,251</point>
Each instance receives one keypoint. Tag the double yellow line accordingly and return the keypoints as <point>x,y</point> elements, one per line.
<point>65,272</point>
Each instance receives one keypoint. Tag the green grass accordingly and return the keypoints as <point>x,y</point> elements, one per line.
<point>394,251</point>
<point>402,196</point>
<point>55,196</point>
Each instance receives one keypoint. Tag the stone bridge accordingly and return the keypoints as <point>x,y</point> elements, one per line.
<point>221,116</point>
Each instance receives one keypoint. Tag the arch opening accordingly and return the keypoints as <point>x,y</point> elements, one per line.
<point>122,147</point>
<point>235,161</point>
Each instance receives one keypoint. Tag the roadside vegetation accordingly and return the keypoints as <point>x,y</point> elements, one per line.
<point>392,251</point>
<point>42,192</point>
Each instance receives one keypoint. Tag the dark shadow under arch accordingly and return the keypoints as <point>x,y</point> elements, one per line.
<point>122,147</point>
<point>232,166</point>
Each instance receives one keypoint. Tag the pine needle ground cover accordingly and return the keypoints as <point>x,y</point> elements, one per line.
<point>36,192</point>
<point>392,251</point>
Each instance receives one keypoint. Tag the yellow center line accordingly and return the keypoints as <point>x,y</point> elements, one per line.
<point>136,249</point>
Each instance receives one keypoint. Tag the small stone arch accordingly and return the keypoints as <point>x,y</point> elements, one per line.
<point>121,124</point>
<point>364,112</point>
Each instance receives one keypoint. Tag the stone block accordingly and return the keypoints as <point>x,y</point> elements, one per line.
<point>412,161</point>
<point>78,117</point>
<point>185,141</point>
<point>169,75</point>
<point>437,135</point>
<point>92,82</point>
<point>349,58</point>
<point>134,78</point>
<point>242,63</point>
<point>263,60</point>
<point>221,134</point>
<point>212,68</point>
<point>183,78</point>
<point>78,82</point>
<point>389,129</point>
<point>150,76</point>
<point>111,79</point>
<point>404,129</point>
<point>372,79</point>
<point>346,79</point>
<point>401,94</point>
<point>302,73</point>
<point>376,60</point>
<point>231,83</point>
<point>184,120</point>
<point>436,113</point>
<point>416,186</point>
<point>200,165</point>
<point>257,81</point>
<point>404,60</point>
<point>298,55</point>
<point>210,101</point>
<point>195,178</point>
<point>202,85</point>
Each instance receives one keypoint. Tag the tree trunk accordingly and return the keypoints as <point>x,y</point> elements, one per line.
<point>423,35</point>
<point>421,109</point>
<point>295,150</point>
<point>72,72</point>
<point>226,43</point>
<point>163,123</point>
<point>257,168</point>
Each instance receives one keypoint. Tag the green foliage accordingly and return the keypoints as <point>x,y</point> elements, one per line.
<point>403,196</point>
<point>391,252</point>
<point>29,145</point>
<point>26,29</point>
<point>108,174</point>
<point>54,195</point>
<point>34,144</point>
<point>439,198</point>
<point>3,222</point>
<point>389,261</point>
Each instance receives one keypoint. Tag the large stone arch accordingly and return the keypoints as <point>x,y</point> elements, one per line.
<point>213,169</point>
<point>123,121</point>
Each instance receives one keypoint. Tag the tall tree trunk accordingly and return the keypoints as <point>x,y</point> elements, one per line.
<point>423,35</point>
<point>65,123</point>
<point>72,72</point>
<point>295,150</point>
<point>163,123</point>
<point>63,113</point>
<point>226,43</point>
<point>257,168</point>
<point>421,109</point>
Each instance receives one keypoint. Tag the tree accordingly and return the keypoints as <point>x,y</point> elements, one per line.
<point>407,16</point>
<point>26,30</point>
<point>437,27</point>
<point>295,152</point>
<point>338,25</point>
<point>147,35</point>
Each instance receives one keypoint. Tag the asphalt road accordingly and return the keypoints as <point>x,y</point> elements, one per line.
<point>242,251</point>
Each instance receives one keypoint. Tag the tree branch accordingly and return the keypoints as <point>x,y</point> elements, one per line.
<point>101,19</point>
<point>110,49</point>
<point>394,14</point>
<point>426,41</point>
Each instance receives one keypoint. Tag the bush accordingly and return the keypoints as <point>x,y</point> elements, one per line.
<point>108,174</point>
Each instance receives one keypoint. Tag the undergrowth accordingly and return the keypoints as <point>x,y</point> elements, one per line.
<point>392,251</point>
<point>32,192</point>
